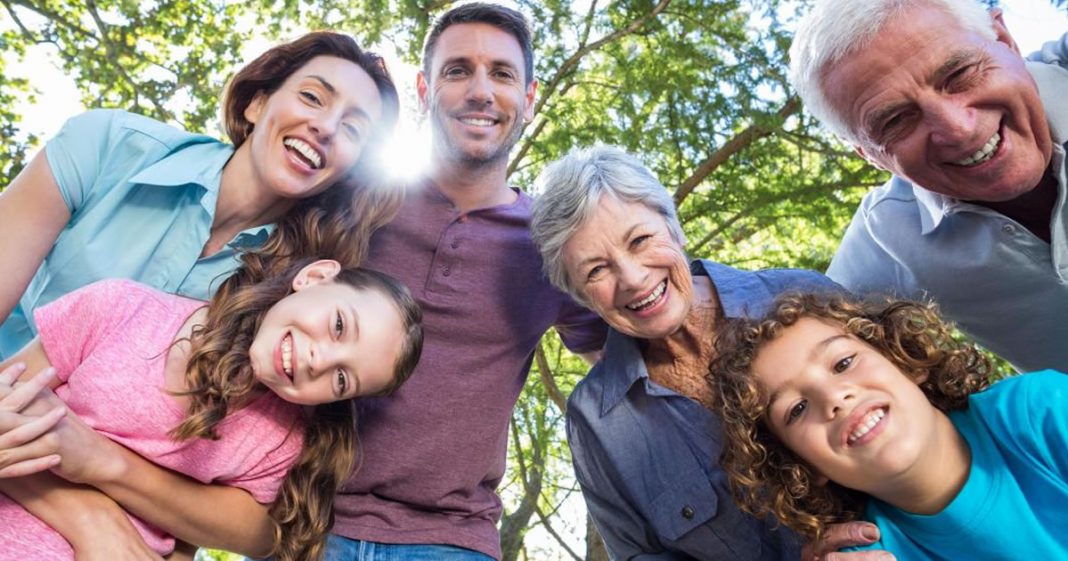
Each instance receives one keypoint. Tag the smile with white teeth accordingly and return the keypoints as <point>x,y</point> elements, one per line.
<point>983,154</point>
<point>478,122</point>
<point>287,354</point>
<point>866,425</point>
<point>306,151</point>
<point>650,299</point>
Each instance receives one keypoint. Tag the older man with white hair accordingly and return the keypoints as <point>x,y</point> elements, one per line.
<point>936,92</point>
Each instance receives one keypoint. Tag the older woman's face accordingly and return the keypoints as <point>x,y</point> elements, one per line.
<point>630,270</point>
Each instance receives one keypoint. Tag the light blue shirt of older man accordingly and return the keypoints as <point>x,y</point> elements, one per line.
<point>1001,284</point>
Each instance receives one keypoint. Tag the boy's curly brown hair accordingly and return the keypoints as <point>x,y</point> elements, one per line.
<point>765,476</point>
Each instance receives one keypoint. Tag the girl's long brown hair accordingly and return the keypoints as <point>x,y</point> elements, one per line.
<point>765,476</point>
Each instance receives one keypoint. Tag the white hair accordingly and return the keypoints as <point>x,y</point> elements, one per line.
<point>569,190</point>
<point>835,29</point>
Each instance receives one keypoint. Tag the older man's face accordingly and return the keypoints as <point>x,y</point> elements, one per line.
<point>949,110</point>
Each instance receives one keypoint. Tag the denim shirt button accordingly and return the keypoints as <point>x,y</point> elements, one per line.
<point>688,512</point>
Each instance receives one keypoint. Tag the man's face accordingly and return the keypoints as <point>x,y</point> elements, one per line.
<point>945,108</point>
<point>476,94</point>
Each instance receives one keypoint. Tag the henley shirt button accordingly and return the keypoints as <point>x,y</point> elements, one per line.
<point>1008,228</point>
<point>445,271</point>
<point>455,244</point>
<point>687,512</point>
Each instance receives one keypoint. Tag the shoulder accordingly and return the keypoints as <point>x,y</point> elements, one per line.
<point>123,126</point>
<point>1042,390</point>
<point>895,197</point>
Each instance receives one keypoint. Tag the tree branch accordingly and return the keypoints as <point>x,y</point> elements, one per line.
<point>740,141</point>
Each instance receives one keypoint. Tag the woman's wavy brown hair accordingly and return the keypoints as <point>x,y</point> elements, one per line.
<point>765,476</point>
<point>219,379</point>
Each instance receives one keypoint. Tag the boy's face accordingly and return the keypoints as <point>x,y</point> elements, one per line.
<point>845,409</point>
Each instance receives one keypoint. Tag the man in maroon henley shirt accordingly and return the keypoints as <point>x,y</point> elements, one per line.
<point>432,455</point>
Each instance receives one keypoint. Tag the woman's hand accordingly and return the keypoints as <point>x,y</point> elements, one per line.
<point>24,419</point>
<point>846,535</point>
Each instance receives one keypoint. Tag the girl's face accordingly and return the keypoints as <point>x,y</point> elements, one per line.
<point>844,408</point>
<point>310,132</point>
<point>327,341</point>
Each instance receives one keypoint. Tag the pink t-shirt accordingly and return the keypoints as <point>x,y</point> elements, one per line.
<point>108,342</point>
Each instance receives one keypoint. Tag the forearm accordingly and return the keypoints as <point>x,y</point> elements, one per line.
<point>212,516</point>
<point>76,512</point>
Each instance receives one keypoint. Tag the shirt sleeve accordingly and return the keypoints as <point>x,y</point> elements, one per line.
<point>1052,52</point>
<point>1045,405</point>
<point>581,330</point>
<point>79,153</point>
<point>71,326</point>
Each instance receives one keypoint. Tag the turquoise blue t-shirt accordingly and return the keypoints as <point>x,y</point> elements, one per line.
<point>1015,502</point>
<point>142,199</point>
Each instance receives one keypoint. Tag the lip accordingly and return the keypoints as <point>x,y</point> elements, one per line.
<point>279,369</point>
<point>994,158</point>
<point>296,162</point>
<point>856,417</point>
<point>655,307</point>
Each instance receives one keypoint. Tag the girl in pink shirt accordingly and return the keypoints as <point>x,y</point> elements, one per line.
<point>252,390</point>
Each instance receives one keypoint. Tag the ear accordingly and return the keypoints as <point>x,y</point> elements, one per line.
<point>532,91</point>
<point>314,273</point>
<point>255,108</point>
<point>1002,30</point>
<point>422,89</point>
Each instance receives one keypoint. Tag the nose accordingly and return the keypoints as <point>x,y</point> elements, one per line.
<point>324,358</point>
<point>480,88</point>
<point>324,126</point>
<point>631,274</point>
<point>834,399</point>
<point>951,123</point>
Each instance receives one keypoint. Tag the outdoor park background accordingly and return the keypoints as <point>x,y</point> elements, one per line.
<point>696,87</point>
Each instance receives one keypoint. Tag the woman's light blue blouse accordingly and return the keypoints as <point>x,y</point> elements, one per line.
<point>142,200</point>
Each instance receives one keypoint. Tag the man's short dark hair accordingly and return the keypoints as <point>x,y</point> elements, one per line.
<point>505,19</point>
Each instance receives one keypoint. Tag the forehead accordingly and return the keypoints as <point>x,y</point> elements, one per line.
<point>477,41</point>
<point>777,359</point>
<point>902,58</point>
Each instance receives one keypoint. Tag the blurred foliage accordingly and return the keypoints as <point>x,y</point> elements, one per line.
<point>696,87</point>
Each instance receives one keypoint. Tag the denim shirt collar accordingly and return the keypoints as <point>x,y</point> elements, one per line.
<point>1052,81</point>
<point>740,294</point>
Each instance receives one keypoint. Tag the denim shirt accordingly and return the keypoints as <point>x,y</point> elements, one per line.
<point>647,458</point>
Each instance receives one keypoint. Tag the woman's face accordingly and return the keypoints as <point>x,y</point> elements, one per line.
<point>629,269</point>
<point>310,132</point>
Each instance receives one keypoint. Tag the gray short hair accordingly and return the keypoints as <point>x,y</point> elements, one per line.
<point>569,190</point>
<point>835,29</point>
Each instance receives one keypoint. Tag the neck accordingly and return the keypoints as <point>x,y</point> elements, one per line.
<point>243,201</point>
<point>930,485</point>
<point>680,361</point>
<point>471,187</point>
<point>1034,209</point>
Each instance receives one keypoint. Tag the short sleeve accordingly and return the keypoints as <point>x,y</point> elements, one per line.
<point>581,330</point>
<point>862,264</point>
<point>72,325</point>
<point>1043,400</point>
<point>78,154</point>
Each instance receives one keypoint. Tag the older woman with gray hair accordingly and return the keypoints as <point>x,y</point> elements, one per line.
<point>645,445</point>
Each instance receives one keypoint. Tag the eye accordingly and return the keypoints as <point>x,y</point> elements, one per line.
<point>962,78</point>
<point>455,72</point>
<point>339,324</point>
<point>504,75</point>
<point>639,240</point>
<point>594,272</point>
<point>844,364</point>
<point>796,411</point>
<point>353,130</point>
<point>342,383</point>
<point>310,97</point>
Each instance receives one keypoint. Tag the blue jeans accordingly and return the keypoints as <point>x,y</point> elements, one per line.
<point>344,549</point>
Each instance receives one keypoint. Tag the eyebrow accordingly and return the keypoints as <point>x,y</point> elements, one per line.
<point>355,330</point>
<point>467,60</point>
<point>816,351</point>
<point>360,113</point>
